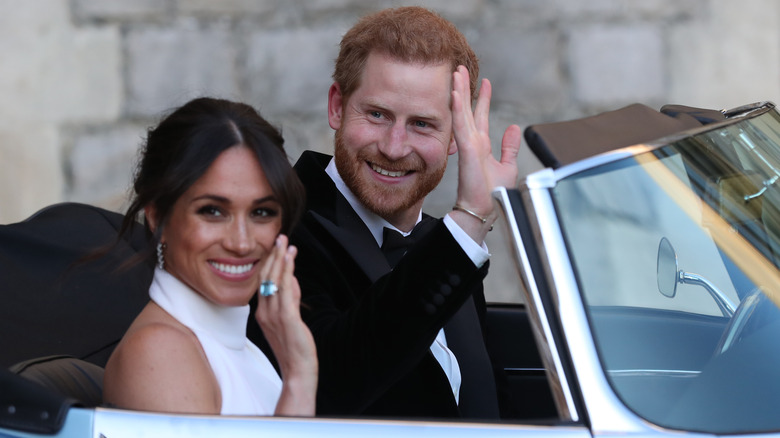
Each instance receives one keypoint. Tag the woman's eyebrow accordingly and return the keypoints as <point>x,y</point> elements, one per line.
<point>224,200</point>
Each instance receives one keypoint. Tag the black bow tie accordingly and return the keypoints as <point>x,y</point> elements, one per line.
<point>395,244</point>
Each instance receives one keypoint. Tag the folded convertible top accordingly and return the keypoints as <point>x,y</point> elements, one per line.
<point>560,143</point>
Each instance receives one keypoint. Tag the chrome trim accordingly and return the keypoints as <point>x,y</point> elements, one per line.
<point>526,372</point>
<point>746,110</point>
<point>548,350</point>
<point>542,179</point>
<point>600,160</point>
<point>665,373</point>
<point>112,423</point>
<point>725,305</point>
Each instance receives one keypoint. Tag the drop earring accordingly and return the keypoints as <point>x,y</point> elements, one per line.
<point>160,256</point>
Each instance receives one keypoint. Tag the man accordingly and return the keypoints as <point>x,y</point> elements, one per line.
<point>403,340</point>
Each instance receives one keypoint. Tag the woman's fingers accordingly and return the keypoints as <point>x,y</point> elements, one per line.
<point>280,248</point>
<point>279,269</point>
<point>279,315</point>
<point>268,305</point>
<point>265,270</point>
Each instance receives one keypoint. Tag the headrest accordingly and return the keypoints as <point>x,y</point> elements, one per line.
<point>70,377</point>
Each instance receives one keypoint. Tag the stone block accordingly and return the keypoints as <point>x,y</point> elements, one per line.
<point>522,13</point>
<point>31,175</point>
<point>454,10</point>
<point>330,5</point>
<point>89,88</point>
<point>609,10</point>
<point>53,72</point>
<point>729,60</point>
<point>225,7</point>
<point>119,10</point>
<point>304,132</point>
<point>524,68</point>
<point>290,70</point>
<point>614,65</point>
<point>101,165</point>
<point>167,66</point>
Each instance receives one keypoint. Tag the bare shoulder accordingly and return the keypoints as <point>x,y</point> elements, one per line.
<point>160,366</point>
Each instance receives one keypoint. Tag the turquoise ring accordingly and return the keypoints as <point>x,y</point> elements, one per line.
<point>268,288</point>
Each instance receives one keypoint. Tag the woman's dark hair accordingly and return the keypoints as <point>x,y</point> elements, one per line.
<point>185,144</point>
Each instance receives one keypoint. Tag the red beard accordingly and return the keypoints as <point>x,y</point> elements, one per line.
<point>384,199</point>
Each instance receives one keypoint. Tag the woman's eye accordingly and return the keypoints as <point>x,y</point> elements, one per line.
<point>265,212</point>
<point>209,210</point>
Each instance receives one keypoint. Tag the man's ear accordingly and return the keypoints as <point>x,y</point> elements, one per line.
<point>335,106</point>
<point>453,146</point>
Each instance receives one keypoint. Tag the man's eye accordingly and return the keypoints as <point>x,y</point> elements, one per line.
<point>421,124</point>
<point>375,114</point>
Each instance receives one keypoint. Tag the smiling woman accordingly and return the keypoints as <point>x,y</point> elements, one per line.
<point>218,195</point>
<point>221,228</point>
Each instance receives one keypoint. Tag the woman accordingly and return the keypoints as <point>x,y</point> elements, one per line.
<point>218,195</point>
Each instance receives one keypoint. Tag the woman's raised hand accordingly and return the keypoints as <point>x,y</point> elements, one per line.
<point>279,317</point>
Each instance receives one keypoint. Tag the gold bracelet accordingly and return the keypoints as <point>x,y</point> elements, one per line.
<point>467,211</point>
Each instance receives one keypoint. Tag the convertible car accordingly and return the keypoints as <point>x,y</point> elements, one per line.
<point>647,255</point>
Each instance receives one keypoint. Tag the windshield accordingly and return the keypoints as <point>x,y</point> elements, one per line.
<point>676,253</point>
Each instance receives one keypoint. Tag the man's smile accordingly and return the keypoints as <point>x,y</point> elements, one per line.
<point>390,173</point>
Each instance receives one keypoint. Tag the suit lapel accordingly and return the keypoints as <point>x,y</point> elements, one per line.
<point>358,242</point>
<point>328,208</point>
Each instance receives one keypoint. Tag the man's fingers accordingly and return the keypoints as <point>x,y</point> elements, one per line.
<point>510,144</point>
<point>461,100</point>
<point>506,173</point>
<point>482,109</point>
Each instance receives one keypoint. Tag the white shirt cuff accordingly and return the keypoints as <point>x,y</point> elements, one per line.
<point>477,253</point>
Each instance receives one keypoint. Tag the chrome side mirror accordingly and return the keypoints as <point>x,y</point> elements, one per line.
<point>666,269</point>
<point>668,275</point>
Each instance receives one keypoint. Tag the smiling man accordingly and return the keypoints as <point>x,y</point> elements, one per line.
<point>401,338</point>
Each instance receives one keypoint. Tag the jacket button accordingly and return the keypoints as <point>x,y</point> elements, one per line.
<point>445,289</point>
<point>455,280</point>
<point>430,309</point>
<point>438,299</point>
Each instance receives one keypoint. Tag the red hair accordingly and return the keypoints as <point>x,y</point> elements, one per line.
<point>409,34</point>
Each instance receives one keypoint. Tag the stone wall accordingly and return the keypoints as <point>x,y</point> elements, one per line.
<point>81,80</point>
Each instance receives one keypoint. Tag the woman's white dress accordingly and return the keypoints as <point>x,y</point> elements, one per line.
<point>249,383</point>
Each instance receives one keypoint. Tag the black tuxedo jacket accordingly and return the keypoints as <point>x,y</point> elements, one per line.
<point>373,327</point>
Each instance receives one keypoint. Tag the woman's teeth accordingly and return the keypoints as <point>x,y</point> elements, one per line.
<point>232,269</point>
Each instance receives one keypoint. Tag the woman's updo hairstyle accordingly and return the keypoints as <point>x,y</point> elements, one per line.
<point>185,144</point>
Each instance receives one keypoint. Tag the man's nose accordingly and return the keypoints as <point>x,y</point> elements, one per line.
<point>395,145</point>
